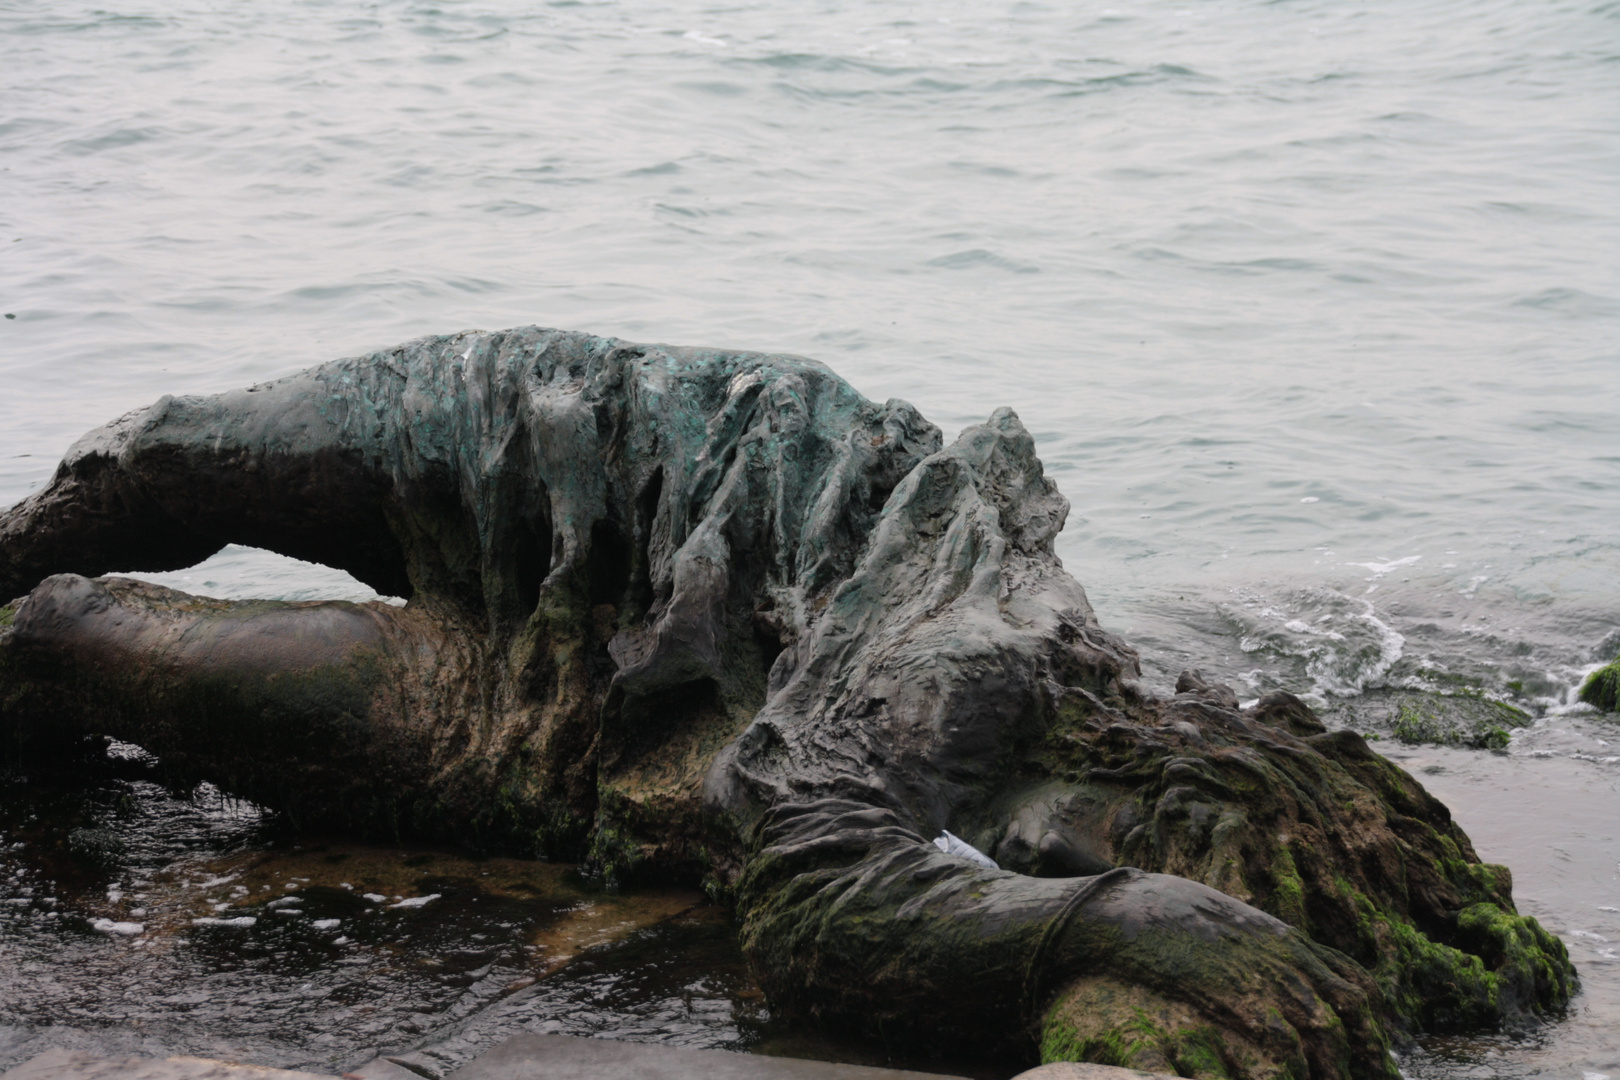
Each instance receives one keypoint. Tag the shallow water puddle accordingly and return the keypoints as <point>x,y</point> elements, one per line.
<point>136,921</point>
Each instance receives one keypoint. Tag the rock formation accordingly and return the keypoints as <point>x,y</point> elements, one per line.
<point>706,614</point>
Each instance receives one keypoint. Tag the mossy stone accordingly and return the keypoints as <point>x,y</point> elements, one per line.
<point>1602,687</point>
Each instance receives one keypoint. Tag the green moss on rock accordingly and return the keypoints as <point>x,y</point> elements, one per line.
<point>1486,729</point>
<point>1061,1041</point>
<point>1287,890</point>
<point>1322,833</point>
<point>1460,717</point>
<point>1602,687</point>
<point>1501,966</point>
<point>1105,1023</point>
<point>1530,964</point>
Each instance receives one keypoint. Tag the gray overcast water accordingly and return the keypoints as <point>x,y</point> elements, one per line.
<point>1313,306</point>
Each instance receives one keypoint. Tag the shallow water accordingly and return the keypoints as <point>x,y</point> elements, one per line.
<point>143,921</point>
<point>1312,307</point>
<point>1548,814</point>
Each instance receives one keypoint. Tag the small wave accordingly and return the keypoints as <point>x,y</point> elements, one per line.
<point>1343,650</point>
<point>1379,569</point>
<point>113,140</point>
<point>1566,301</point>
<point>716,88</point>
<point>963,260</point>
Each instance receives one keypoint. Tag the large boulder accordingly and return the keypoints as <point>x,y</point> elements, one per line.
<point>711,615</point>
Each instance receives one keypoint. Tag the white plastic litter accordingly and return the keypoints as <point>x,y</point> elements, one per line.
<point>952,844</point>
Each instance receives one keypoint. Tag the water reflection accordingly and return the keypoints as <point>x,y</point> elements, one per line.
<point>138,920</point>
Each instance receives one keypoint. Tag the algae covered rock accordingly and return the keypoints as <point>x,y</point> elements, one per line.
<point>1602,687</point>
<point>1463,719</point>
<point>699,614</point>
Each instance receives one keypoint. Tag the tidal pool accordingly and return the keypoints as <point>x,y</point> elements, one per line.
<point>136,920</point>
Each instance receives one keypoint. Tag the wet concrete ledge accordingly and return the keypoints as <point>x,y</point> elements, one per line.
<point>533,1057</point>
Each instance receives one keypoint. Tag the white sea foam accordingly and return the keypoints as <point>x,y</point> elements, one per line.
<point>124,929</point>
<point>416,901</point>
<point>1379,569</point>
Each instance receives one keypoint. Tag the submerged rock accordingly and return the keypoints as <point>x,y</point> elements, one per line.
<point>700,614</point>
<point>1461,719</point>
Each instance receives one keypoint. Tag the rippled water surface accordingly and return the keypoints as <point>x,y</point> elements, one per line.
<point>1312,306</point>
<point>135,920</point>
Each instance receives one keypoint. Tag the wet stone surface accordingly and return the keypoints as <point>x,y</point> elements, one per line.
<point>134,920</point>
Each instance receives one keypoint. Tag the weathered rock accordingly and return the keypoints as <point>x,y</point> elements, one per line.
<point>1465,719</point>
<point>80,1065</point>
<point>688,612</point>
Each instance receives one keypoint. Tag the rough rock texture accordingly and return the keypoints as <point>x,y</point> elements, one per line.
<point>687,612</point>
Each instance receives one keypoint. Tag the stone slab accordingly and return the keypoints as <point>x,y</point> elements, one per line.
<point>1084,1070</point>
<point>378,1068</point>
<point>60,1064</point>
<point>567,1057</point>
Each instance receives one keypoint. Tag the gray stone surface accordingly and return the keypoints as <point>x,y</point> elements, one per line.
<point>565,1057</point>
<point>80,1065</point>
<point>381,1068</point>
<point>1084,1070</point>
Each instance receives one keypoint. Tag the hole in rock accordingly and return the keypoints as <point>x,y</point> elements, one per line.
<point>247,573</point>
<point>608,564</point>
<point>531,563</point>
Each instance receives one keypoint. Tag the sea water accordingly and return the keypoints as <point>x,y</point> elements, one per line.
<point>1311,306</point>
